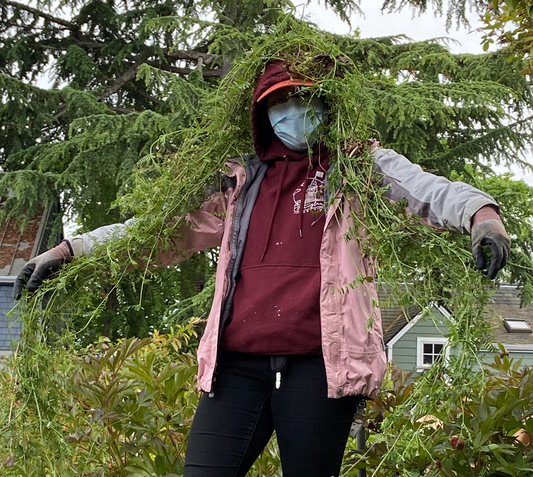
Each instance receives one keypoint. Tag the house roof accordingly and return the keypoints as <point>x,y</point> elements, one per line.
<point>393,316</point>
<point>18,246</point>
<point>505,304</point>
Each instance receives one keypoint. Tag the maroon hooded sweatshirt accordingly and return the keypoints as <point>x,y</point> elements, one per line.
<point>276,308</point>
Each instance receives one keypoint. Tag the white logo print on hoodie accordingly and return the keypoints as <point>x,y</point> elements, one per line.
<point>314,196</point>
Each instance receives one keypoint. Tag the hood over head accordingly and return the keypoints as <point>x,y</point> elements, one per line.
<point>270,148</point>
<point>267,145</point>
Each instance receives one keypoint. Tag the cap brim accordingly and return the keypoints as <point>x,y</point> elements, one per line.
<point>285,84</point>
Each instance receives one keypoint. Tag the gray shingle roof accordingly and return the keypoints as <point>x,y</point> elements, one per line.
<point>506,304</point>
<point>393,316</point>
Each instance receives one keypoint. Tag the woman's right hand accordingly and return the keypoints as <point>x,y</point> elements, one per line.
<point>42,267</point>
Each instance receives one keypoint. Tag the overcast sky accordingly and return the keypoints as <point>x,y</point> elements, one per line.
<point>417,27</point>
<point>376,23</point>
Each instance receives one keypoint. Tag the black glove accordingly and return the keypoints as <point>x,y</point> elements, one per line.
<point>42,267</point>
<point>490,232</point>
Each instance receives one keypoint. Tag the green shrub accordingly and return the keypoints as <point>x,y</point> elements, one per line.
<point>474,438</point>
<point>109,410</point>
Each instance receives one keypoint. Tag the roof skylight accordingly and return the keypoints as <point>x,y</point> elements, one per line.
<point>517,326</point>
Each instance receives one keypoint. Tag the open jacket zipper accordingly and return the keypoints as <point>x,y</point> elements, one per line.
<point>237,231</point>
<point>250,176</point>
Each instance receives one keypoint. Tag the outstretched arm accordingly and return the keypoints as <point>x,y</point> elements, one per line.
<point>454,206</point>
<point>203,229</point>
<point>43,266</point>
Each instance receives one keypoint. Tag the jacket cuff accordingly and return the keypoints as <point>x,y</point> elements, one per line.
<point>487,212</point>
<point>69,245</point>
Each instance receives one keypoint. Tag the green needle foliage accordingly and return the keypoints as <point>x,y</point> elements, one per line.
<point>507,23</point>
<point>88,86</point>
<point>126,74</point>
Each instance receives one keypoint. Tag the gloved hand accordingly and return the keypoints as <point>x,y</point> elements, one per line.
<point>487,229</point>
<point>42,267</point>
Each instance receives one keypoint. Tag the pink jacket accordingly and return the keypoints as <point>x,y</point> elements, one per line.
<point>352,337</point>
<point>354,356</point>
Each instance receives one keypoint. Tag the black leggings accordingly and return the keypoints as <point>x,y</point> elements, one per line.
<point>233,424</point>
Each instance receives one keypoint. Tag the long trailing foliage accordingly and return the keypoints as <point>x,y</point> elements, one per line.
<point>123,73</point>
<point>171,181</point>
<point>483,435</point>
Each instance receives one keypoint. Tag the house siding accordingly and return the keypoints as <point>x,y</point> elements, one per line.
<point>527,358</point>
<point>10,326</point>
<point>404,351</point>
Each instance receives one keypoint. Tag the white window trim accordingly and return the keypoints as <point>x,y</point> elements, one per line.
<point>420,341</point>
<point>508,325</point>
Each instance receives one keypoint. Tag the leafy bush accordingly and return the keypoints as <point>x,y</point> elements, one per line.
<point>125,408</point>
<point>109,410</point>
<point>477,437</point>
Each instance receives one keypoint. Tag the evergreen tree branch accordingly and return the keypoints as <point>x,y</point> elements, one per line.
<point>91,44</point>
<point>49,47</point>
<point>192,55</point>
<point>144,94</point>
<point>126,77</point>
<point>120,109</point>
<point>38,13</point>
<point>184,71</point>
<point>114,88</point>
<point>207,58</point>
<point>521,121</point>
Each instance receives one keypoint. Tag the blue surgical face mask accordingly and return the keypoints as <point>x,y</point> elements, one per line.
<point>295,121</point>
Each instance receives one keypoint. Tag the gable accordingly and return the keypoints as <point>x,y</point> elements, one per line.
<point>404,348</point>
<point>393,316</point>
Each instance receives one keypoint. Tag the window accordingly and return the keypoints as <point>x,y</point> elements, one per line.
<point>429,351</point>
<point>517,326</point>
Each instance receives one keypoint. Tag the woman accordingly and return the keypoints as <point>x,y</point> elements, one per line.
<point>283,350</point>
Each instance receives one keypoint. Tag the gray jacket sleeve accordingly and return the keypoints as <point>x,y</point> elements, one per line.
<point>83,244</point>
<point>435,199</point>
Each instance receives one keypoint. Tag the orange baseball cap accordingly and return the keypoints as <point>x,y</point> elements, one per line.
<point>285,84</point>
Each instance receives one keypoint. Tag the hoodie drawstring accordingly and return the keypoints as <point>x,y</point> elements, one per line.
<point>278,193</point>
